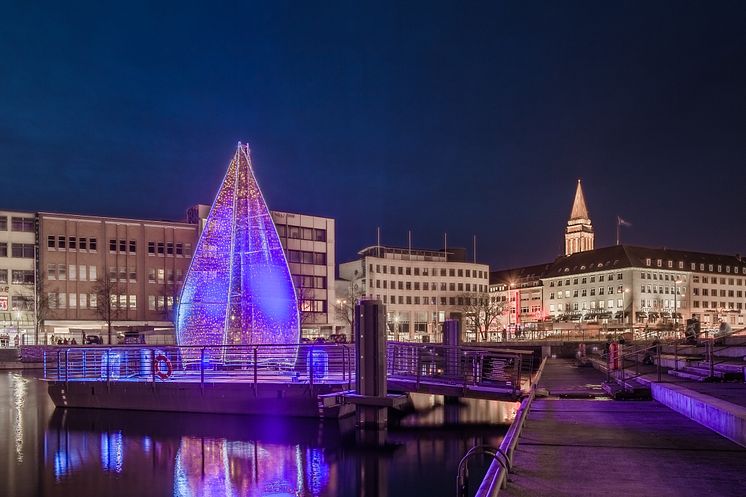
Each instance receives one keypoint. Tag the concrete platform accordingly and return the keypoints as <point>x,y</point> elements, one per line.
<point>561,378</point>
<point>276,399</point>
<point>613,448</point>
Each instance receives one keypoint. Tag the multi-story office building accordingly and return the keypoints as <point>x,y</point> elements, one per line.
<point>140,264</point>
<point>145,263</point>
<point>421,288</point>
<point>308,242</point>
<point>17,278</point>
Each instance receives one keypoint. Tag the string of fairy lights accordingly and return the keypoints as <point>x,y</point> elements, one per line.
<point>238,289</point>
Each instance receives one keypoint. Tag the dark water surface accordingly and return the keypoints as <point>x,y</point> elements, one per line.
<point>76,452</point>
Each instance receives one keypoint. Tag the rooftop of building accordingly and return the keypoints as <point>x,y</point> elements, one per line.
<point>521,276</point>
<point>623,256</point>
<point>454,254</point>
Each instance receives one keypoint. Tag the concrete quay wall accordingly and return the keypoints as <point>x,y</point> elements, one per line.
<point>725,418</point>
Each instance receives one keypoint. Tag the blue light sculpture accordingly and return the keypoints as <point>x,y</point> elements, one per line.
<point>238,290</point>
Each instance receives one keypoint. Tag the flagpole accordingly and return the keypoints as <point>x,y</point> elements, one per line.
<point>618,224</point>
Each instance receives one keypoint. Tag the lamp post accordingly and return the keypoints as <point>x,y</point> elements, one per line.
<point>511,307</point>
<point>675,302</point>
<point>624,309</point>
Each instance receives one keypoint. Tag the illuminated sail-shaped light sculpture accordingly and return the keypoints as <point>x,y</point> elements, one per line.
<point>238,290</point>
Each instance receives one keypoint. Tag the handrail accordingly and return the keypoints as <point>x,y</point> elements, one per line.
<point>496,477</point>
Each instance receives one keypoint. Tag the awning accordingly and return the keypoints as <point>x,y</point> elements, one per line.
<point>665,315</point>
<point>676,315</point>
<point>641,314</point>
<point>619,315</point>
<point>652,315</point>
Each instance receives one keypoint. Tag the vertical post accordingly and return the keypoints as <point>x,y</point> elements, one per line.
<point>44,357</point>
<point>310,367</point>
<point>59,372</point>
<point>658,361</point>
<point>676,355</point>
<point>371,371</point>
<point>202,370</point>
<point>108,367</point>
<point>67,366</point>
<point>710,346</point>
<point>256,371</point>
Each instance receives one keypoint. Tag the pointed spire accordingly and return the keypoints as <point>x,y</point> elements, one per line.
<point>579,210</point>
<point>238,289</point>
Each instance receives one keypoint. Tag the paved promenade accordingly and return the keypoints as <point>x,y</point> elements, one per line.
<point>581,447</point>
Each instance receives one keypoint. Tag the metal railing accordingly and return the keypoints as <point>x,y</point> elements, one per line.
<point>630,360</point>
<point>459,365</point>
<point>496,477</point>
<point>295,363</point>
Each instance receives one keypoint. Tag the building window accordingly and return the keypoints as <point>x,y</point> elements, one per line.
<point>170,248</point>
<point>25,224</point>
<point>22,277</point>
<point>112,245</point>
<point>82,243</point>
<point>160,248</point>
<point>24,250</point>
<point>92,244</point>
<point>51,241</point>
<point>179,249</point>
<point>3,223</point>
<point>92,273</point>
<point>151,248</point>
<point>133,246</point>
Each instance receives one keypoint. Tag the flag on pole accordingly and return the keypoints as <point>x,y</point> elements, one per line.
<point>622,222</point>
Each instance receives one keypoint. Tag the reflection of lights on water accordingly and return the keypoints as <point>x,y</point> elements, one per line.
<point>217,467</point>
<point>112,452</point>
<point>317,470</point>
<point>18,385</point>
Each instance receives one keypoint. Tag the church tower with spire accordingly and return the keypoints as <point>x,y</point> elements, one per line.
<point>579,231</point>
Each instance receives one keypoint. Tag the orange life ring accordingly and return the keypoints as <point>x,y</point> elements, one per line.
<point>157,360</point>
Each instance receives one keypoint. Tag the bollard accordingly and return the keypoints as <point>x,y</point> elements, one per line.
<point>370,349</point>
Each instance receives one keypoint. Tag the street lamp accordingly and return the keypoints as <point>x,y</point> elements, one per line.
<point>511,307</point>
<point>631,323</point>
<point>675,301</point>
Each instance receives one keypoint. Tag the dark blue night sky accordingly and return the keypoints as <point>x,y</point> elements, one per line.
<point>473,118</point>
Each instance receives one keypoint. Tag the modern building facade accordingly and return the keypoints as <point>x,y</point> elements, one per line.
<point>309,247</point>
<point>146,261</point>
<point>17,277</point>
<point>139,263</point>
<point>421,288</point>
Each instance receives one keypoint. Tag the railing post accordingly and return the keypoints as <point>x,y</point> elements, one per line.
<point>67,367</point>
<point>44,359</point>
<point>676,355</point>
<point>202,370</point>
<point>108,367</point>
<point>658,361</point>
<point>152,366</point>
<point>711,346</point>
<point>418,365</point>
<point>59,372</point>
<point>310,366</point>
<point>256,372</point>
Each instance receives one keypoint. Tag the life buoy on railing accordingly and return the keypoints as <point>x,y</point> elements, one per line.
<point>157,360</point>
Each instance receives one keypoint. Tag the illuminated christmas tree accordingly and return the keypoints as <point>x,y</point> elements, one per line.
<point>238,290</point>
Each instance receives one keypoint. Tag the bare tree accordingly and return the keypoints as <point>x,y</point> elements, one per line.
<point>107,301</point>
<point>44,304</point>
<point>344,307</point>
<point>480,312</point>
